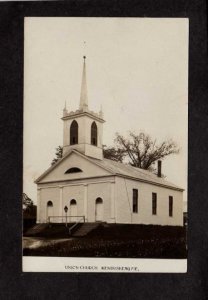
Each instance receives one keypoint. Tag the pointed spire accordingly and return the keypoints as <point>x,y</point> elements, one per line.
<point>101,111</point>
<point>83,97</point>
<point>65,110</point>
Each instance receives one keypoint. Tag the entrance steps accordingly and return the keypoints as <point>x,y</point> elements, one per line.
<point>36,229</point>
<point>59,230</point>
<point>84,229</point>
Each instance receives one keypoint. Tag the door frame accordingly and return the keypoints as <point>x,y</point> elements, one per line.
<point>99,201</point>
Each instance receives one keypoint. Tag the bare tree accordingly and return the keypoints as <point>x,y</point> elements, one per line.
<point>113,153</point>
<point>141,150</point>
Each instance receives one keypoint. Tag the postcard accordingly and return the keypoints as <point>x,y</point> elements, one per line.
<point>105,144</point>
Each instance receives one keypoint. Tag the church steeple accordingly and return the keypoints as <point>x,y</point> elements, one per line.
<point>65,110</point>
<point>83,96</point>
<point>83,128</point>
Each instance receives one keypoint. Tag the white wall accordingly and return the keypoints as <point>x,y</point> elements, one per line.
<point>73,192</point>
<point>123,203</point>
<point>85,194</point>
<point>102,190</point>
<point>85,191</point>
<point>45,195</point>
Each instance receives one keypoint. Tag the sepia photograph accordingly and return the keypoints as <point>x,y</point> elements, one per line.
<point>105,144</point>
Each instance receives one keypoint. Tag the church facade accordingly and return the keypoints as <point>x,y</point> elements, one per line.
<point>83,186</point>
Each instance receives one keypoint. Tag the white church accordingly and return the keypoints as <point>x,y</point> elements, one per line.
<point>85,187</point>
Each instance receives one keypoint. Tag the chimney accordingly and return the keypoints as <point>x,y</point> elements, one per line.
<point>159,167</point>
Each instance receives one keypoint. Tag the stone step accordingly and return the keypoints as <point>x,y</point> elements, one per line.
<point>37,228</point>
<point>85,229</point>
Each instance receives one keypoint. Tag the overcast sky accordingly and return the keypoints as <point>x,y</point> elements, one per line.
<point>137,69</point>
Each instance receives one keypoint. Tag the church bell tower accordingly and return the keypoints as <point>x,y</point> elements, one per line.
<point>83,129</point>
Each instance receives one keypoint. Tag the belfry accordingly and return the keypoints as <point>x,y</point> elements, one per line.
<point>83,129</point>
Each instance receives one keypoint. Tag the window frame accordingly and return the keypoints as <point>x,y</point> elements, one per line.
<point>99,200</point>
<point>73,170</point>
<point>154,204</point>
<point>74,133</point>
<point>135,201</point>
<point>170,206</point>
<point>94,134</point>
<point>73,202</point>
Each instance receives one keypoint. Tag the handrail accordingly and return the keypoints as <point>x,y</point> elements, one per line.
<point>73,226</point>
<point>65,218</point>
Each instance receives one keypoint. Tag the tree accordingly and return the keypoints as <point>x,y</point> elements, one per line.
<point>29,209</point>
<point>59,154</point>
<point>113,153</point>
<point>140,150</point>
<point>26,202</point>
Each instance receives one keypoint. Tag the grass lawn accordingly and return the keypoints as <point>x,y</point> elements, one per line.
<point>119,240</point>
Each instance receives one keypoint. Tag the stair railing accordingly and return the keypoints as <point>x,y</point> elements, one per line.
<point>75,225</point>
<point>66,218</point>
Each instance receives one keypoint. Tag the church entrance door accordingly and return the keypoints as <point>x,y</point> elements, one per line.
<point>49,212</point>
<point>73,211</point>
<point>98,210</point>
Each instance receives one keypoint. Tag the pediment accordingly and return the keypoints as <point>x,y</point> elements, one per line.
<point>73,166</point>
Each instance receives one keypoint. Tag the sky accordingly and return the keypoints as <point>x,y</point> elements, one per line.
<point>137,70</point>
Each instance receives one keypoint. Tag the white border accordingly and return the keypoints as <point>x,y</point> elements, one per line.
<point>102,265</point>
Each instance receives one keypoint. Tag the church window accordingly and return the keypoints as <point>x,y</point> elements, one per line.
<point>170,206</point>
<point>99,200</point>
<point>135,201</point>
<point>73,202</point>
<point>73,170</point>
<point>49,203</point>
<point>154,203</point>
<point>74,133</point>
<point>94,134</point>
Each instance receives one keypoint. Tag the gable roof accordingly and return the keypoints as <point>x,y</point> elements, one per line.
<point>125,170</point>
<point>119,169</point>
<point>51,168</point>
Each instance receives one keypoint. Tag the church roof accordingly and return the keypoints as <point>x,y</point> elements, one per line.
<point>125,170</point>
<point>119,169</point>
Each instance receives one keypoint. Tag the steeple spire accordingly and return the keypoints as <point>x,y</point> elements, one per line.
<point>65,110</point>
<point>83,97</point>
<point>101,111</point>
<point>83,128</point>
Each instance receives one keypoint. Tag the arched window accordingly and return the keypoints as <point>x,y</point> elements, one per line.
<point>73,211</point>
<point>99,200</point>
<point>73,170</point>
<point>99,211</point>
<point>49,211</point>
<point>74,133</point>
<point>73,202</point>
<point>94,134</point>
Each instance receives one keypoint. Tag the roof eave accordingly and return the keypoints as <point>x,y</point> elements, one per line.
<point>151,182</point>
